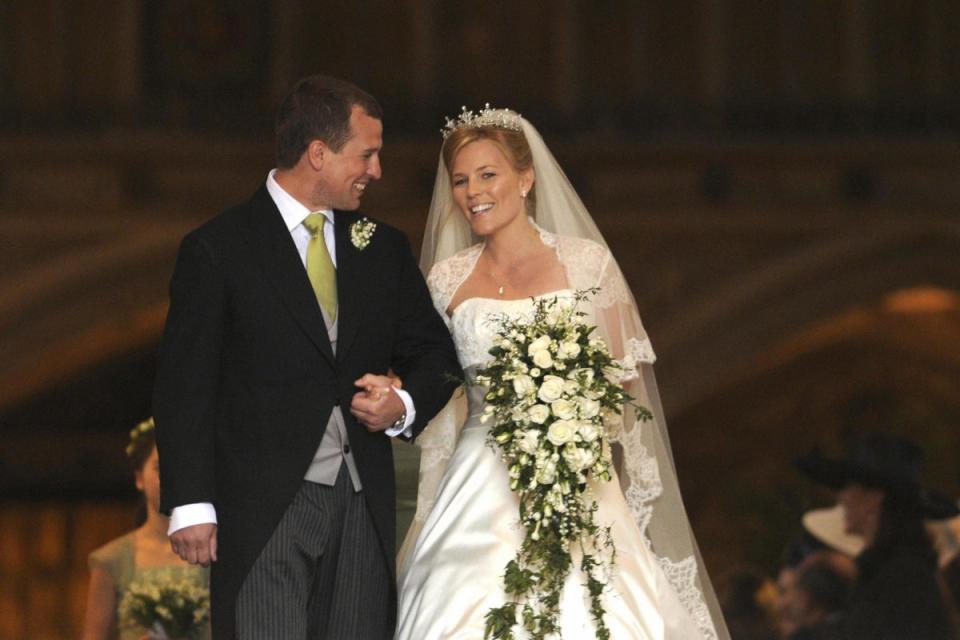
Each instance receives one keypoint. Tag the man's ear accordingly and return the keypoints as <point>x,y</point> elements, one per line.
<point>316,152</point>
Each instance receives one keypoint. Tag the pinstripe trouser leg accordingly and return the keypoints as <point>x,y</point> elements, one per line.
<point>321,575</point>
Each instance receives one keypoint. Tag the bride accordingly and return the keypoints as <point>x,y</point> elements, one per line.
<point>506,228</point>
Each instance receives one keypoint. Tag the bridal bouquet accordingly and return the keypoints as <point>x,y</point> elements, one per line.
<point>168,607</point>
<point>552,387</point>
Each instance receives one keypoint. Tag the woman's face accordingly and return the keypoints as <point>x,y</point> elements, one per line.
<point>148,481</point>
<point>486,187</point>
<point>861,509</point>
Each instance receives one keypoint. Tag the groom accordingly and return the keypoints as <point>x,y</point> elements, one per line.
<point>272,425</point>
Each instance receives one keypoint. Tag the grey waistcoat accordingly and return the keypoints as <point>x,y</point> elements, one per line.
<point>334,449</point>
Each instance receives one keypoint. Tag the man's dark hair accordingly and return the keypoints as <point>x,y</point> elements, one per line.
<point>319,108</point>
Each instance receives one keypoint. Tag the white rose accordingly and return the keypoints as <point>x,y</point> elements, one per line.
<point>586,375</point>
<point>540,344</point>
<point>571,387</point>
<point>563,409</point>
<point>561,432</point>
<point>578,459</point>
<point>524,385</point>
<point>588,431</point>
<point>569,350</point>
<point>589,408</point>
<point>543,359</point>
<point>535,372</point>
<point>538,413</point>
<point>551,389</point>
<point>560,311</point>
<point>528,441</point>
<point>547,473</point>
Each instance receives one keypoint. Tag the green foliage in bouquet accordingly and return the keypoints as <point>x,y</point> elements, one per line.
<point>553,389</point>
<point>180,606</point>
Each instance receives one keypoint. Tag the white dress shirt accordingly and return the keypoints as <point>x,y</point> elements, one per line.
<point>293,213</point>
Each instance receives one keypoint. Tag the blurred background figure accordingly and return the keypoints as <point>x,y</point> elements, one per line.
<point>829,527</point>
<point>946,540</point>
<point>896,593</point>
<point>814,596</point>
<point>815,580</point>
<point>748,599</point>
<point>141,558</point>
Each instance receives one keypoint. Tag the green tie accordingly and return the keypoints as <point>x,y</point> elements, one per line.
<point>320,269</point>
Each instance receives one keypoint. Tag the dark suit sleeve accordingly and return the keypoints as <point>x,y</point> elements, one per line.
<point>188,372</point>
<point>424,355</point>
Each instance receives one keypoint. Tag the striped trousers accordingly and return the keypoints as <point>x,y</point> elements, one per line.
<point>322,574</point>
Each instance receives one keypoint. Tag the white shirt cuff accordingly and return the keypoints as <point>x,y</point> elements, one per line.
<point>405,430</point>
<point>187,515</point>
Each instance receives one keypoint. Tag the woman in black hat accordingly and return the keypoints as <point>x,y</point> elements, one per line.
<point>896,595</point>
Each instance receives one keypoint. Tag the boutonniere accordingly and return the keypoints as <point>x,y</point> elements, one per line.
<point>361,231</point>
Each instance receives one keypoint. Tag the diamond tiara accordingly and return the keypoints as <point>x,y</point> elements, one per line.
<point>487,117</point>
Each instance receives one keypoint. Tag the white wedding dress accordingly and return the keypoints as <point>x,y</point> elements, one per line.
<point>466,526</point>
<point>453,574</point>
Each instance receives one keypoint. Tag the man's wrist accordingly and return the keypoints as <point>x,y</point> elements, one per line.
<point>188,515</point>
<point>409,411</point>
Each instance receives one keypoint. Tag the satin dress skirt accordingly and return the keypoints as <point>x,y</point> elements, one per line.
<point>455,572</point>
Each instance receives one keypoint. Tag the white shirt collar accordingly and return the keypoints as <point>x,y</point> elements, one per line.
<point>291,209</point>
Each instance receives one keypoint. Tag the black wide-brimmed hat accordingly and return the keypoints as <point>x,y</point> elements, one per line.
<point>882,461</point>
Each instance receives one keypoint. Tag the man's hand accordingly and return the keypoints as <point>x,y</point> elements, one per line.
<point>196,544</point>
<point>377,406</point>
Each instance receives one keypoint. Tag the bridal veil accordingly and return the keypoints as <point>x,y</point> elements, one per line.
<point>641,448</point>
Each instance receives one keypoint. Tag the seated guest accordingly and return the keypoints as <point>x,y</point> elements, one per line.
<point>141,558</point>
<point>896,594</point>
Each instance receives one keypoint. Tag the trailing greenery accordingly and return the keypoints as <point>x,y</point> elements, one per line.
<point>552,389</point>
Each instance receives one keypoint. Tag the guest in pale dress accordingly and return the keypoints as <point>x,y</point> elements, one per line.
<point>141,556</point>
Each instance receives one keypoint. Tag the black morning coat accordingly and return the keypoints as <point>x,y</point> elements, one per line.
<point>247,379</point>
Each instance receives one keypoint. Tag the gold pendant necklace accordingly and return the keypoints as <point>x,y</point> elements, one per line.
<point>500,286</point>
<point>496,282</point>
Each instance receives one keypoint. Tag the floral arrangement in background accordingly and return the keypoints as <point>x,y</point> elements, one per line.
<point>552,391</point>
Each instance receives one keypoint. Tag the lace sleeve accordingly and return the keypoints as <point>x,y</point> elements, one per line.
<point>446,276</point>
